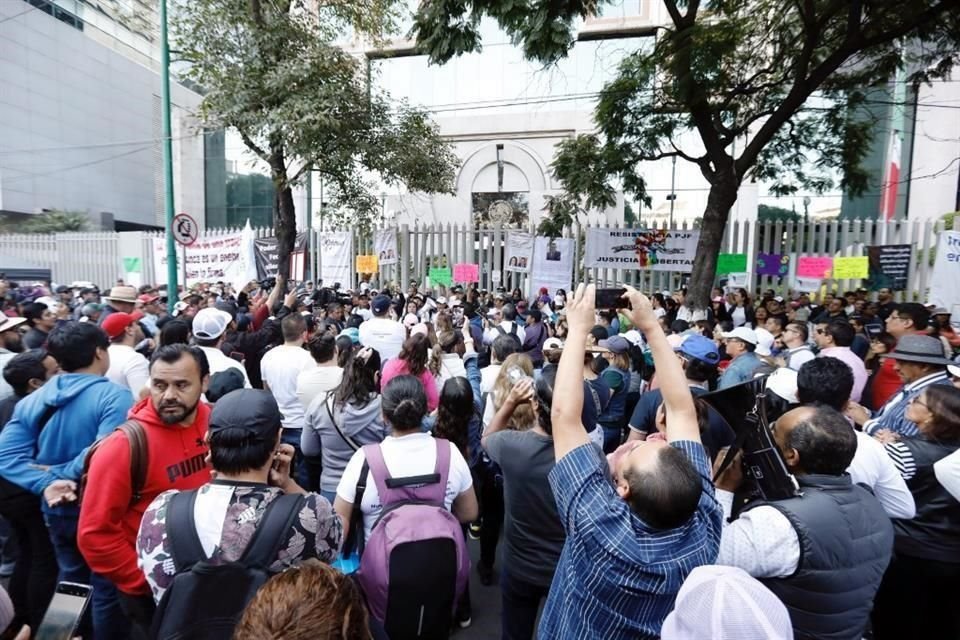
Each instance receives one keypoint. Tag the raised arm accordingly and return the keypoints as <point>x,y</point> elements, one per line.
<point>568,430</point>
<point>678,402</point>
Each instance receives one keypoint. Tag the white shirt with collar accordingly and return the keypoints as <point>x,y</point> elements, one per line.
<point>128,368</point>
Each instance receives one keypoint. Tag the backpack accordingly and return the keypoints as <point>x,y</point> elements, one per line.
<point>137,439</point>
<point>415,564</point>
<point>205,600</point>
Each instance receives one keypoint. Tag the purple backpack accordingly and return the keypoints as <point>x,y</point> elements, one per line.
<point>415,566</point>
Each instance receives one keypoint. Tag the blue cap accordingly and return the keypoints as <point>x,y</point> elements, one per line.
<point>700,348</point>
<point>616,344</point>
<point>353,333</point>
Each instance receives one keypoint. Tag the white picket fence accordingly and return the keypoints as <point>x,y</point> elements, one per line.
<point>98,257</point>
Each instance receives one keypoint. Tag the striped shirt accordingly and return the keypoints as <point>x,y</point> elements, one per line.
<point>618,577</point>
<point>893,415</point>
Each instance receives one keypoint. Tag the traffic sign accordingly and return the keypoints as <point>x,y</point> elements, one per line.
<point>184,229</point>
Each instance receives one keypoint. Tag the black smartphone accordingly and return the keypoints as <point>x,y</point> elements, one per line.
<point>612,299</point>
<point>63,616</point>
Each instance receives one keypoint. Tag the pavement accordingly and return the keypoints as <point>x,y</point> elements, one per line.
<point>485,601</point>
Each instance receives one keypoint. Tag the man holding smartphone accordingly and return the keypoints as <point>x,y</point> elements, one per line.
<point>174,424</point>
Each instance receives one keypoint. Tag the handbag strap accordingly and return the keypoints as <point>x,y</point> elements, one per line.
<point>350,441</point>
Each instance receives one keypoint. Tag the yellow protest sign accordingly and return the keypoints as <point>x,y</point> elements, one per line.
<point>367,264</point>
<point>851,267</point>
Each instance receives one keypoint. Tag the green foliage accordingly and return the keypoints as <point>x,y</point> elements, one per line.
<point>275,73</point>
<point>948,219</point>
<point>53,221</point>
<point>767,213</point>
<point>771,90</point>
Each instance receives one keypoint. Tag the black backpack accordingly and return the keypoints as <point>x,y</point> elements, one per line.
<point>205,601</point>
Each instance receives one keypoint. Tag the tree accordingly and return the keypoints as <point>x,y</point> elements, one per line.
<point>767,87</point>
<point>52,221</point>
<point>272,71</point>
<point>768,213</point>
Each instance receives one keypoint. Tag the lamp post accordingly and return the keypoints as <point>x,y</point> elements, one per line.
<point>168,160</point>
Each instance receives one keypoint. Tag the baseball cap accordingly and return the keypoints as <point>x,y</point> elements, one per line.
<point>252,411</point>
<point>699,348</point>
<point>633,337</point>
<point>726,602</point>
<point>940,311</point>
<point>441,300</point>
<point>783,382</point>
<point>552,343</point>
<point>353,333</point>
<point>62,289</point>
<point>616,344</point>
<point>740,333</point>
<point>228,307</point>
<point>410,320</point>
<point>210,323</point>
<point>380,304</point>
<point>764,342</point>
<point>115,323</point>
<point>147,298</point>
<point>223,382</point>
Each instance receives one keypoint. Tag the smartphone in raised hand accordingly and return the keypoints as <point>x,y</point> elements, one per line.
<point>611,299</point>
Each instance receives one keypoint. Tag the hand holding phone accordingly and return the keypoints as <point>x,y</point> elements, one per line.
<point>611,299</point>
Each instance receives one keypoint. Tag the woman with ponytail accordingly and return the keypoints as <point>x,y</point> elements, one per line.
<point>412,361</point>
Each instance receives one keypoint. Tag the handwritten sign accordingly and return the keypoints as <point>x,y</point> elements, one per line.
<point>466,272</point>
<point>440,275</point>
<point>807,285</point>
<point>851,267</point>
<point>731,263</point>
<point>773,264</point>
<point>367,264</point>
<point>738,280</point>
<point>814,267</point>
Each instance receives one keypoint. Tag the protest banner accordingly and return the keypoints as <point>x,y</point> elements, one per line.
<point>740,280</point>
<point>850,267</point>
<point>466,272</point>
<point>336,258</point>
<point>773,264</point>
<point>385,246</point>
<point>519,252</point>
<point>807,285</point>
<point>889,266</point>
<point>944,291</point>
<point>814,266</point>
<point>266,252</point>
<point>367,264</point>
<point>552,264</point>
<point>646,249</point>
<point>224,258</point>
<point>440,276</point>
<point>731,263</point>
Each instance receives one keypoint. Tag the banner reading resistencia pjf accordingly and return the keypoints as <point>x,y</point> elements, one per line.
<point>649,249</point>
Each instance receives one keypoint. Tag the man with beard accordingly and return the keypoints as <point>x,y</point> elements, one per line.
<point>10,345</point>
<point>173,423</point>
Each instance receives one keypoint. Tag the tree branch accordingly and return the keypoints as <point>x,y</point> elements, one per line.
<point>253,146</point>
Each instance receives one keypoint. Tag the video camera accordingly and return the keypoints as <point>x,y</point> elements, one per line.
<point>744,408</point>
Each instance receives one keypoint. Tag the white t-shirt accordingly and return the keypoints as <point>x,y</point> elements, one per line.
<point>128,368</point>
<point>317,381</point>
<point>410,455</point>
<point>384,335</point>
<point>218,362</point>
<point>280,368</point>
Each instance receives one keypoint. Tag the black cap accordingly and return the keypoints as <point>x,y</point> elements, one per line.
<point>251,410</point>
<point>224,382</point>
<point>62,289</point>
<point>227,306</point>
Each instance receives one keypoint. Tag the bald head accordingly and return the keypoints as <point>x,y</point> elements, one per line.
<point>815,440</point>
<point>658,482</point>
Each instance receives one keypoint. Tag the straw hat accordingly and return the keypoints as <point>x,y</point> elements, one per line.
<point>122,294</point>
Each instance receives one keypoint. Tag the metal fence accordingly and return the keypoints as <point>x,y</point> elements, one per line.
<point>97,257</point>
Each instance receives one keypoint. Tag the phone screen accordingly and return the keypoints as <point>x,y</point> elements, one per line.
<point>611,299</point>
<point>63,615</point>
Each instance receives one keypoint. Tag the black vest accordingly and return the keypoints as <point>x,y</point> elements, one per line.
<point>933,533</point>
<point>846,540</point>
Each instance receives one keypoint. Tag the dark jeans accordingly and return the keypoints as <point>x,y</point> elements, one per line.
<point>34,577</point>
<point>489,487</point>
<point>520,601</point>
<point>105,615</point>
<point>139,610</point>
<point>918,599</point>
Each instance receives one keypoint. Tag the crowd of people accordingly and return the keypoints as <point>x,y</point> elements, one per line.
<point>302,461</point>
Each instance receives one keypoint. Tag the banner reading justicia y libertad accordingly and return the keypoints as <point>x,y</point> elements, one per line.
<point>649,249</point>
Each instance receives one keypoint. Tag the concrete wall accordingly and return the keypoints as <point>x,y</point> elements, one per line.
<point>79,124</point>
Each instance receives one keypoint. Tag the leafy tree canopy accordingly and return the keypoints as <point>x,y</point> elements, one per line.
<point>275,72</point>
<point>768,213</point>
<point>744,89</point>
<point>52,221</point>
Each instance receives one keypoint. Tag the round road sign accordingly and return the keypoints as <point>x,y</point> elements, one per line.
<point>184,229</point>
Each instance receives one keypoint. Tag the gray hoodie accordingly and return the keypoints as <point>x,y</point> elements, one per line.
<point>363,425</point>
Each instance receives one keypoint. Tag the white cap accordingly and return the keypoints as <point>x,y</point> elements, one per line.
<point>742,333</point>
<point>764,342</point>
<point>210,323</point>
<point>410,320</point>
<point>441,300</point>
<point>364,286</point>
<point>454,301</point>
<point>633,337</point>
<point>725,602</point>
<point>420,328</point>
<point>552,343</point>
<point>783,382</point>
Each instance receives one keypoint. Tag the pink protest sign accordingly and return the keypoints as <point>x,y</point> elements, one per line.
<point>466,272</point>
<point>814,266</point>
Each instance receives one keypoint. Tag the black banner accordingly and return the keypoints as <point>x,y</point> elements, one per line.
<point>265,251</point>
<point>889,266</point>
